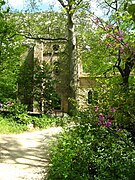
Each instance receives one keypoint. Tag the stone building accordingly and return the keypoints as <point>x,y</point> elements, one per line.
<point>54,53</point>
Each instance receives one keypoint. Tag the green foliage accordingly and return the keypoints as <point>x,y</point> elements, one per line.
<point>25,80</point>
<point>36,83</point>
<point>10,51</point>
<point>44,86</point>
<point>8,125</point>
<point>19,123</point>
<point>16,108</point>
<point>112,95</point>
<point>37,122</point>
<point>98,146</point>
<point>92,152</point>
<point>16,114</point>
<point>46,24</point>
<point>46,121</point>
<point>108,45</point>
<point>131,10</point>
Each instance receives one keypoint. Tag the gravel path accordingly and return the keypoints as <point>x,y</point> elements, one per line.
<point>25,156</point>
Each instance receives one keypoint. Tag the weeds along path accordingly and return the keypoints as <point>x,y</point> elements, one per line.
<point>25,156</point>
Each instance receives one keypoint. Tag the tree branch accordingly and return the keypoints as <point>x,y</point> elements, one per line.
<point>79,3</point>
<point>62,3</point>
<point>10,37</point>
<point>128,67</point>
<point>36,38</point>
<point>119,62</point>
<point>120,70</point>
<point>42,38</point>
<point>119,58</point>
<point>110,5</point>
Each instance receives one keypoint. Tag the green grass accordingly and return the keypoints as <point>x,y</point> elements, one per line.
<point>8,126</point>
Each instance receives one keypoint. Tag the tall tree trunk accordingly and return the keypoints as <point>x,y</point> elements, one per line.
<point>71,6</point>
<point>73,70</point>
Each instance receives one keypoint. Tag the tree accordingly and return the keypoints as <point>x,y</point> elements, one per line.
<point>10,52</point>
<point>113,48</point>
<point>71,6</point>
<point>116,37</point>
<point>36,85</point>
<point>68,34</point>
<point>44,91</point>
<point>119,39</point>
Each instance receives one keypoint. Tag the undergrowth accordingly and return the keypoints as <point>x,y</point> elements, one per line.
<point>24,122</point>
<point>92,151</point>
<point>8,126</point>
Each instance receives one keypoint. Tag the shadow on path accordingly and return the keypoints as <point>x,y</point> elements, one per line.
<point>26,155</point>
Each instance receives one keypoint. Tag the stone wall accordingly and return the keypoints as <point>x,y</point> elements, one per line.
<point>55,53</point>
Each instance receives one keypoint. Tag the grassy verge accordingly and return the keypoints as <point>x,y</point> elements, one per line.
<point>21,123</point>
<point>8,126</point>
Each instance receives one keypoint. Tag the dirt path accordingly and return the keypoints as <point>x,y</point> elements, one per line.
<point>25,156</point>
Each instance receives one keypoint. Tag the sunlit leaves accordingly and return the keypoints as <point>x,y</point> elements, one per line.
<point>48,24</point>
<point>131,10</point>
<point>10,52</point>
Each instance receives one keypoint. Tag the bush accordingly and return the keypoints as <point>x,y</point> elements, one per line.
<point>39,122</point>
<point>101,144</point>
<point>8,125</point>
<point>18,113</point>
<point>97,152</point>
<point>112,94</point>
<point>21,122</point>
<point>23,119</point>
<point>16,108</point>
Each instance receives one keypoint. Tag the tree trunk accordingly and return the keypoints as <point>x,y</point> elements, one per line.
<point>126,72</point>
<point>73,70</point>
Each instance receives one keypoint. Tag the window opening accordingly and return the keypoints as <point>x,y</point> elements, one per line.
<point>90,97</point>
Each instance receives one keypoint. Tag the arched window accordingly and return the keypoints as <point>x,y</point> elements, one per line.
<point>89,97</point>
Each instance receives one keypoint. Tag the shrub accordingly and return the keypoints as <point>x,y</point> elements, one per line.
<point>17,108</point>
<point>112,94</point>
<point>99,145</point>
<point>8,125</point>
<point>88,151</point>
<point>41,122</point>
<point>23,119</point>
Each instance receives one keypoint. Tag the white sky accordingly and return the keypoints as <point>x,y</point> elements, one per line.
<point>19,4</point>
<point>16,3</point>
